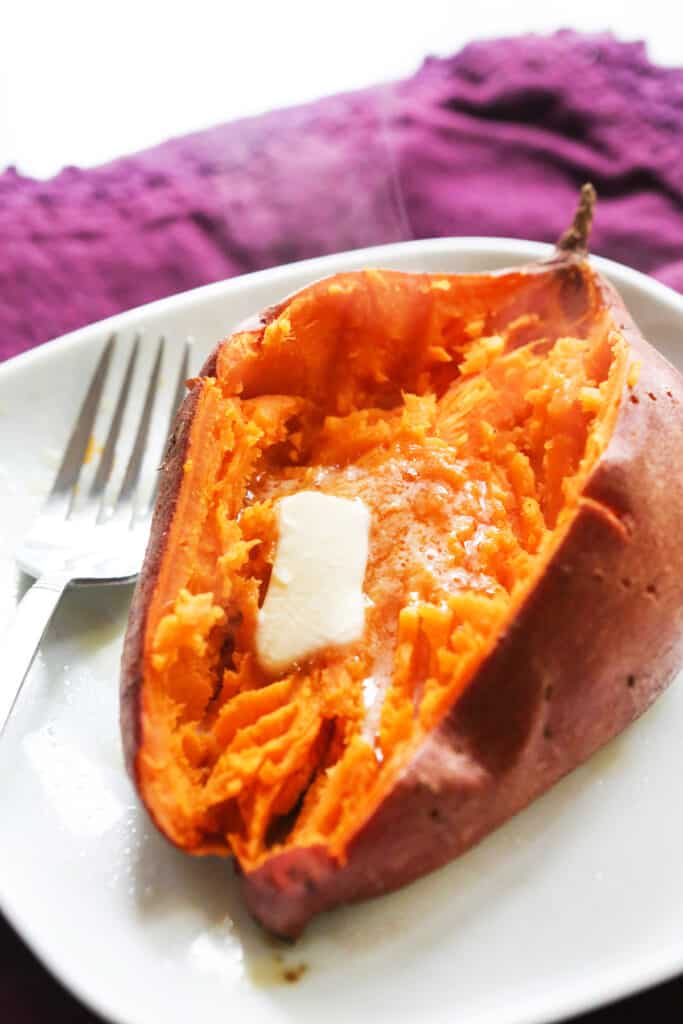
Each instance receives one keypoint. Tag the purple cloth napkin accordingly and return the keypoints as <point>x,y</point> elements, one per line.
<point>493,141</point>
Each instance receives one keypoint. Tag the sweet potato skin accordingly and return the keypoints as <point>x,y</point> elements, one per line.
<point>133,648</point>
<point>593,645</point>
<point>170,479</point>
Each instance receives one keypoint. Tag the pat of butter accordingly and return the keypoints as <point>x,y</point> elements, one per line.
<point>315,594</point>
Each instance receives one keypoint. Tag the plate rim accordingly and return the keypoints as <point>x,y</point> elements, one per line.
<point>516,248</point>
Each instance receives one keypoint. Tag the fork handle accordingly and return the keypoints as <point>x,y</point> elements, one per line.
<point>23,636</point>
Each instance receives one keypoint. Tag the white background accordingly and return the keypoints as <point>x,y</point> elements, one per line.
<point>83,82</point>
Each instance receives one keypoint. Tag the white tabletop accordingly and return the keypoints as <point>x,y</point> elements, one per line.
<point>82,82</point>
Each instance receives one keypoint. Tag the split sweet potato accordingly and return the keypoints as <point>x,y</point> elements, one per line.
<point>520,448</point>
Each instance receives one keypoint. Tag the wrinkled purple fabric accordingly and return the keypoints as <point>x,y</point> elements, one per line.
<point>493,141</point>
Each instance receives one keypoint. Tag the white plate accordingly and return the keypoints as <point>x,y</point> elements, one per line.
<point>575,902</point>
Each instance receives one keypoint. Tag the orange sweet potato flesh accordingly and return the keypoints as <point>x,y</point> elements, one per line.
<point>519,446</point>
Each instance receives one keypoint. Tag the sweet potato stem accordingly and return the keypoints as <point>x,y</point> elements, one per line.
<point>575,238</point>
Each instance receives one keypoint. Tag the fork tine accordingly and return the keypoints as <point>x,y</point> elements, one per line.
<point>106,463</point>
<point>70,467</point>
<point>132,475</point>
<point>183,374</point>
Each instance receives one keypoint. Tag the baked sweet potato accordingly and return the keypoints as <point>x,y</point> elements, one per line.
<point>520,449</point>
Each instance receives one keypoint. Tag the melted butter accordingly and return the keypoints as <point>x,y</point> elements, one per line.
<point>267,971</point>
<point>315,595</point>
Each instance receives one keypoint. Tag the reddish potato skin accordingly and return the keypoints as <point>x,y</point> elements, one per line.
<point>557,685</point>
<point>171,476</point>
<point>134,643</point>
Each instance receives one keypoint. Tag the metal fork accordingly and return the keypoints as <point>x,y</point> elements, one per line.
<point>91,538</point>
